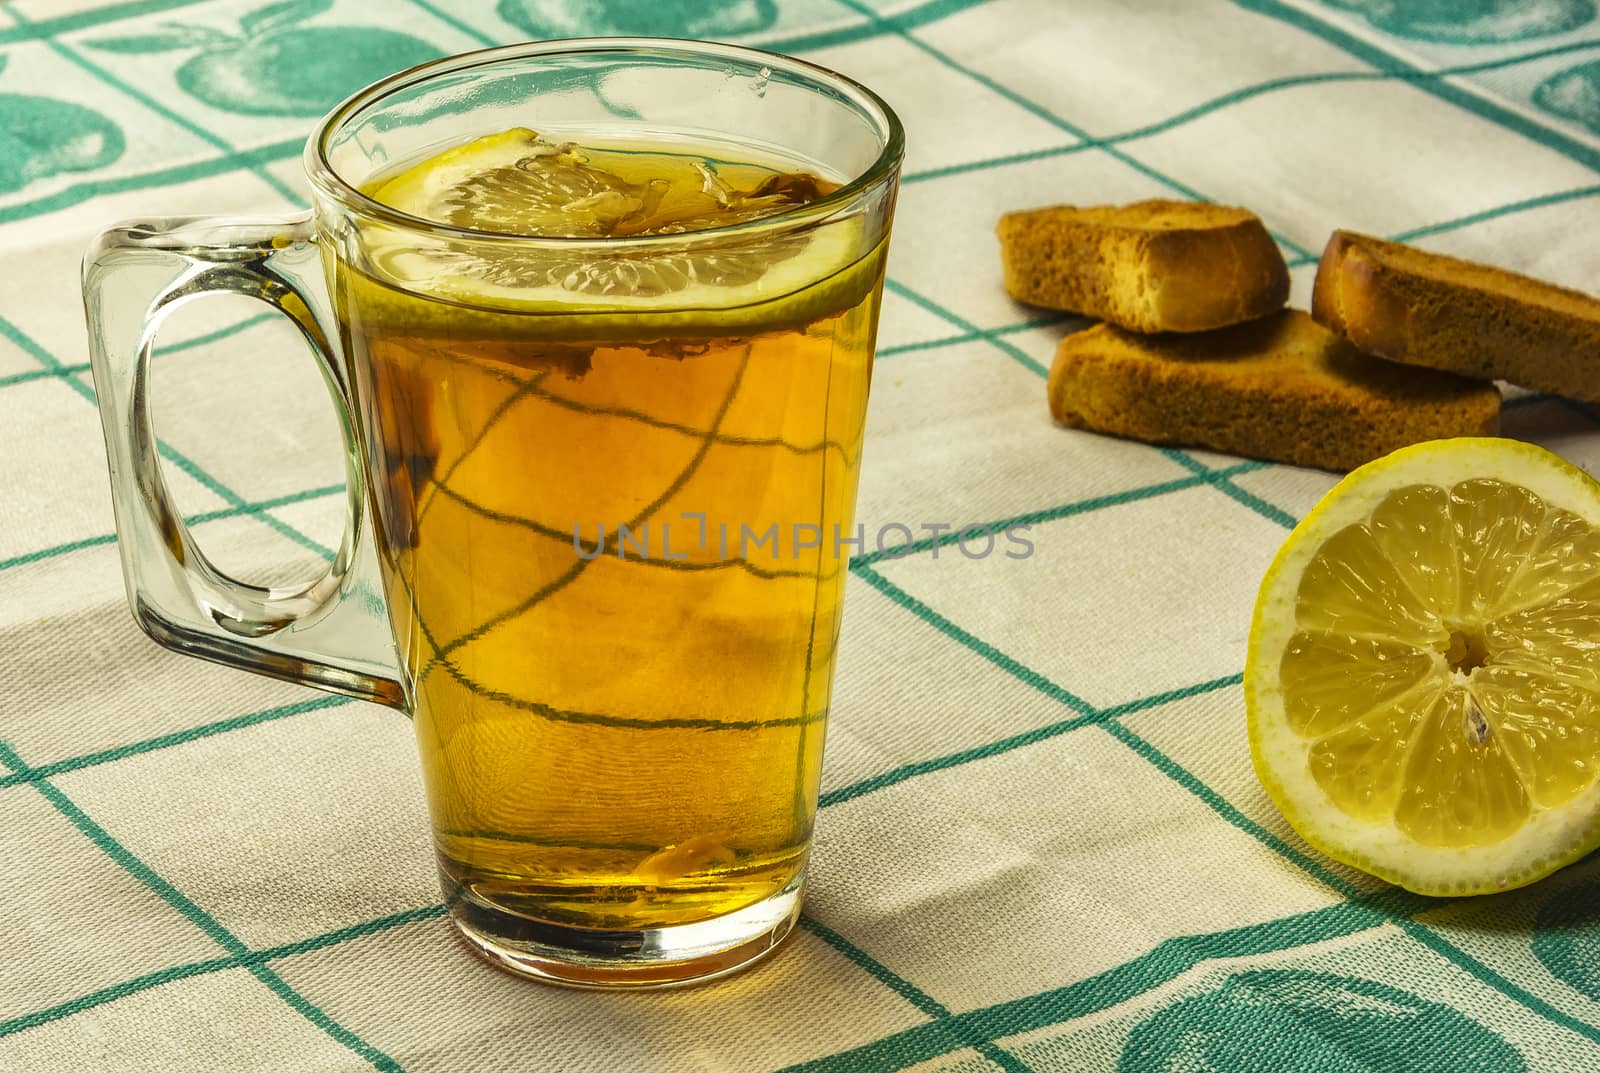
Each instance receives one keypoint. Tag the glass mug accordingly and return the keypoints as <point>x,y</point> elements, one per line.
<point>609,527</point>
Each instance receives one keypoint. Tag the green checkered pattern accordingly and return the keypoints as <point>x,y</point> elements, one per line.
<point>1041,845</point>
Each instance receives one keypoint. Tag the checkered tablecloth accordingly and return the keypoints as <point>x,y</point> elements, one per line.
<point>1041,846</point>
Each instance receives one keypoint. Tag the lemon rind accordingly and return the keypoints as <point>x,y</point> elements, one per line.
<point>394,308</point>
<point>834,271</point>
<point>1552,837</point>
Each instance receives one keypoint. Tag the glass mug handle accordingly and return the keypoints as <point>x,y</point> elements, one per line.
<point>331,633</point>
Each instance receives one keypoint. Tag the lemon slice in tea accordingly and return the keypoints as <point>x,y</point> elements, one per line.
<point>516,182</point>
<point>1423,680</point>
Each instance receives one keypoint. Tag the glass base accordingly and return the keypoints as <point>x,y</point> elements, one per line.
<point>648,958</point>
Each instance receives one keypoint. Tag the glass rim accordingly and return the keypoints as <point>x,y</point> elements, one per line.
<point>325,178</point>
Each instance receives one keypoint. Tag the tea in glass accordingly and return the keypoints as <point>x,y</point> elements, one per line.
<point>613,542</point>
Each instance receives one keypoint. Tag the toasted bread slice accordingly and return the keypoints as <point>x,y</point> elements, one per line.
<point>1154,266</point>
<point>1427,309</point>
<point>1284,389</point>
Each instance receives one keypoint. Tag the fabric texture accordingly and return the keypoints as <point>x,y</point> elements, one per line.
<point>1041,845</point>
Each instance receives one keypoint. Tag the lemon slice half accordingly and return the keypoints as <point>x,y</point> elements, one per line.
<point>1423,678</point>
<point>516,182</point>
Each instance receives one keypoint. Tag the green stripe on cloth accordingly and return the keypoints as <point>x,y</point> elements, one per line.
<point>1219,479</point>
<point>167,741</point>
<point>966,326</point>
<point>83,20</point>
<point>905,772</point>
<point>254,159</point>
<point>949,1032</point>
<point>210,483</point>
<point>1200,111</point>
<point>200,968</point>
<point>1219,804</point>
<point>455,23</point>
<point>908,991</point>
<point>1204,473</point>
<point>1045,114</point>
<point>1478,104</point>
<point>1131,970</point>
<point>254,510</point>
<point>1126,981</point>
<point>1461,959</point>
<point>216,336</point>
<point>1509,208</point>
<point>238,503</point>
<point>78,59</point>
<point>1418,931</point>
<point>58,549</point>
<point>1495,213</point>
<point>276,151</point>
<point>1050,514</point>
<point>161,350</point>
<point>908,19</point>
<point>38,374</point>
<point>194,914</point>
<point>114,992</point>
<point>249,160</point>
<point>1227,811</point>
<point>354,931</point>
<point>974,335</point>
<point>949,629</point>
<point>1161,965</point>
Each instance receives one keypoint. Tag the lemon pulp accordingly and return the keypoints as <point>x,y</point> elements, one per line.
<point>1425,664</point>
<point>519,182</point>
<point>635,212</point>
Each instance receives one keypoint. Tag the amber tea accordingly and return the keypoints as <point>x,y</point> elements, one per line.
<point>614,493</point>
